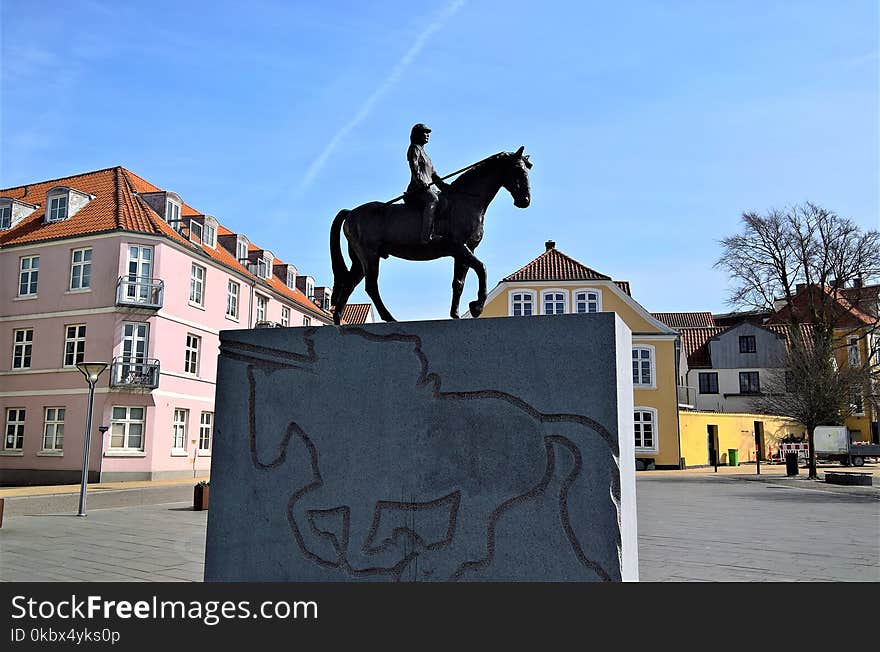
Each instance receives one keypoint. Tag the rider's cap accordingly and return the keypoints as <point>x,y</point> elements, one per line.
<point>419,127</point>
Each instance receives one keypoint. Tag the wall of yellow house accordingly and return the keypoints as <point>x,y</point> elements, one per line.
<point>735,430</point>
<point>663,399</point>
<point>859,426</point>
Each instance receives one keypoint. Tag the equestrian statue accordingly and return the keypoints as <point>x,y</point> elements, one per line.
<point>435,220</point>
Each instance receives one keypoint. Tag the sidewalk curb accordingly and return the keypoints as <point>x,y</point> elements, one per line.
<point>35,505</point>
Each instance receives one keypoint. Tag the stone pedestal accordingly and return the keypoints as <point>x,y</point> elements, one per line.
<point>472,450</point>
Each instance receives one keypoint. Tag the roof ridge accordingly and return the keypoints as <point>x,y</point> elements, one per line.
<point>70,176</point>
<point>147,181</point>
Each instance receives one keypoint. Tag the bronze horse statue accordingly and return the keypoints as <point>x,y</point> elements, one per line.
<point>377,230</point>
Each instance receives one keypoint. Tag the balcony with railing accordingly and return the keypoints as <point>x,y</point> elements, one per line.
<point>134,373</point>
<point>687,396</point>
<point>140,291</point>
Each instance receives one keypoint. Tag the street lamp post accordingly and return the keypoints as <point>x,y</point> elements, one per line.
<point>91,370</point>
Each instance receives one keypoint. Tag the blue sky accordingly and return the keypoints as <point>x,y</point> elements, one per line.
<point>652,125</point>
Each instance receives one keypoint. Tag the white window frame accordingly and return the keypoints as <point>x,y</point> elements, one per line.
<point>56,207</point>
<point>285,316</point>
<point>30,277</point>
<point>126,423</point>
<point>511,302</point>
<point>17,428</point>
<point>192,354</point>
<point>653,364</point>
<point>56,425</point>
<point>310,290</point>
<point>195,231</point>
<point>27,348</point>
<point>233,292</point>
<point>197,278</point>
<point>547,291</point>
<point>853,352</point>
<point>78,342</point>
<point>210,235</point>
<point>5,216</point>
<point>83,266</point>
<point>291,279</point>
<point>179,425</point>
<point>585,291</point>
<point>206,432</point>
<point>654,448</point>
<point>262,307</point>
<point>172,214</point>
<point>241,251</point>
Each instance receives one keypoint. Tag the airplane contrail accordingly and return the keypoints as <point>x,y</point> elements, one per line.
<point>389,81</point>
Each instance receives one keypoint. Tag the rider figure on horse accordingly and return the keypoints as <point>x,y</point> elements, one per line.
<point>423,176</point>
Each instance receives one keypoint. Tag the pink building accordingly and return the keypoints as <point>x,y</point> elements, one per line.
<point>106,266</point>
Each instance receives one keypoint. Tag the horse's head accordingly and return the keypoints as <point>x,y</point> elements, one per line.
<point>515,177</point>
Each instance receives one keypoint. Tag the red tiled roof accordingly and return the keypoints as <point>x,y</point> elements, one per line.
<point>847,315</point>
<point>553,265</point>
<point>118,206</point>
<point>685,319</point>
<point>623,285</point>
<point>695,343</point>
<point>356,313</point>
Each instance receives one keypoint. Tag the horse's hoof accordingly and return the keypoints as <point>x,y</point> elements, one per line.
<point>454,315</point>
<point>476,308</point>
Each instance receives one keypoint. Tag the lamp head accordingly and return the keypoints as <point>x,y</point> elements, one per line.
<point>91,370</point>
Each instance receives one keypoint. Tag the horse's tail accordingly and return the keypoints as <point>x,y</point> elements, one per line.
<point>340,269</point>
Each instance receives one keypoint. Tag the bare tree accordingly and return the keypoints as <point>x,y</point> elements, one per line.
<point>804,264</point>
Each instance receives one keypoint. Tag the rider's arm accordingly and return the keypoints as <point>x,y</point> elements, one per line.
<point>412,158</point>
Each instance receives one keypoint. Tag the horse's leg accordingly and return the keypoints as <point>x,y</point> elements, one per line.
<point>371,270</point>
<point>458,275</point>
<point>466,255</point>
<point>346,287</point>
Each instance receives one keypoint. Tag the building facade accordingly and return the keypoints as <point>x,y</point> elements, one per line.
<point>554,283</point>
<point>105,266</point>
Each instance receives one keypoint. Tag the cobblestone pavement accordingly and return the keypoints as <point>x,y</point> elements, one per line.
<point>692,527</point>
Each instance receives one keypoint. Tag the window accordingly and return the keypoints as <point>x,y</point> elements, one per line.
<point>747,344</point>
<point>5,216</point>
<point>291,279</point>
<point>857,405</point>
<point>262,307</point>
<point>554,302</point>
<point>206,431</point>
<point>127,428</point>
<point>643,366</point>
<point>210,237</point>
<point>709,382</point>
<point>232,300</point>
<point>853,352</point>
<point>285,316</point>
<point>310,290</point>
<point>645,422</point>
<point>241,250</point>
<point>14,440</point>
<point>197,285</point>
<point>80,269</point>
<point>172,214</point>
<point>195,231</point>
<point>53,429</point>
<point>587,301</point>
<point>522,304</point>
<point>74,344</point>
<point>57,208</point>
<point>23,339</point>
<point>749,383</point>
<point>140,274</point>
<point>191,363</point>
<point>178,437</point>
<point>29,272</point>
<point>307,321</point>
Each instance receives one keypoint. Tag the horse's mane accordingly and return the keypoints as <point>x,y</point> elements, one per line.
<point>477,170</point>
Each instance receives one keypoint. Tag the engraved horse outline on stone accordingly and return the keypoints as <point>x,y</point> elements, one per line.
<point>351,538</point>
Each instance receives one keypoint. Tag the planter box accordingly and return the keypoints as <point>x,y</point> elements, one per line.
<point>847,478</point>
<point>200,497</point>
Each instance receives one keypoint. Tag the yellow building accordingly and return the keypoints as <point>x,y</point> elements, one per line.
<point>554,283</point>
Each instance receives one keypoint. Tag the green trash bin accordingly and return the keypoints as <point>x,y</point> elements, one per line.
<point>732,457</point>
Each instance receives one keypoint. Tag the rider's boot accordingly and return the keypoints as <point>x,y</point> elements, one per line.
<point>428,223</point>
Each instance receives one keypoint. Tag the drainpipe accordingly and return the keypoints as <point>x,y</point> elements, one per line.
<point>677,412</point>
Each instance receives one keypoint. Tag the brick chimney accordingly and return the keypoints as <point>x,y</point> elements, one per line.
<point>549,245</point>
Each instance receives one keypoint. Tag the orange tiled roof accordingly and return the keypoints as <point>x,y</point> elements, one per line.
<point>356,313</point>
<point>685,319</point>
<point>848,315</point>
<point>695,341</point>
<point>118,206</point>
<point>553,265</point>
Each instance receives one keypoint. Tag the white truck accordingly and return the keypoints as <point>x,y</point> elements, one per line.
<point>835,443</point>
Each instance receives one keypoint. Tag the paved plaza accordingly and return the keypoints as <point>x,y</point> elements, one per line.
<point>693,526</point>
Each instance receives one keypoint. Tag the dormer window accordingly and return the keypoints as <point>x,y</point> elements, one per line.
<point>241,250</point>
<point>172,214</point>
<point>310,290</point>
<point>13,211</point>
<point>6,216</point>
<point>57,208</point>
<point>195,232</point>
<point>209,235</point>
<point>291,279</point>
